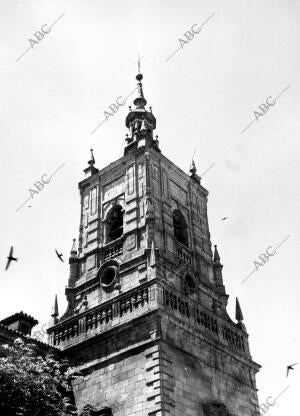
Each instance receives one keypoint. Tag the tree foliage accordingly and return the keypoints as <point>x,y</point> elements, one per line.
<point>32,384</point>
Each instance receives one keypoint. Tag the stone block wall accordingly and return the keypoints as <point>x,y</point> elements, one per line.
<point>119,384</point>
<point>194,382</point>
<point>121,370</point>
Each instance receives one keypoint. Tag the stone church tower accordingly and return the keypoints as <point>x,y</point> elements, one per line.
<point>146,322</point>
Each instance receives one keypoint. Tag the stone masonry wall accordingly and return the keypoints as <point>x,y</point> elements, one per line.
<point>130,385</point>
<point>121,370</point>
<point>210,378</point>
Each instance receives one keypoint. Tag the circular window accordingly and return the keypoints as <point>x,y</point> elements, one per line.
<point>108,276</point>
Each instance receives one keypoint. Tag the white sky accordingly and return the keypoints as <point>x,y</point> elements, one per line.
<point>203,97</point>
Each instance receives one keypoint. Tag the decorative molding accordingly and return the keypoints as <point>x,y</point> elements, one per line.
<point>90,410</point>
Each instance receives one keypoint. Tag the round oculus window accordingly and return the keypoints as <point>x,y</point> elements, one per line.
<point>108,276</point>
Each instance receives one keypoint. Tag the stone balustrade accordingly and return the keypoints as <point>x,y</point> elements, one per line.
<point>99,317</point>
<point>114,251</point>
<point>216,326</point>
<point>103,317</point>
<point>183,254</point>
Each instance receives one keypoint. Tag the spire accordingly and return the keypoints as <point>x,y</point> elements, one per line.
<point>217,267</point>
<point>239,316</point>
<point>74,249</point>
<point>139,121</point>
<point>91,162</point>
<point>193,169</point>
<point>91,170</point>
<point>140,101</point>
<point>74,265</point>
<point>238,311</point>
<point>152,255</point>
<point>216,256</point>
<point>193,174</point>
<point>54,312</point>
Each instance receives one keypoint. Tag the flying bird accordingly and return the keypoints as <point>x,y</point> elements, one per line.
<point>223,219</point>
<point>290,367</point>
<point>10,258</point>
<point>59,255</point>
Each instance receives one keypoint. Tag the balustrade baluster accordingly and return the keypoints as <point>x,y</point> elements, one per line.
<point>145,295</point>
<point>122,307</point>
<point>104,316</point>
<point>128,304</point>
<point>87,321</point>
<point>134,300</point>
<point>139,298</point>
<point>108,314</point>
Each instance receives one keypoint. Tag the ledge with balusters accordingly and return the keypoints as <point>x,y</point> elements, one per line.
<point>141,300</point>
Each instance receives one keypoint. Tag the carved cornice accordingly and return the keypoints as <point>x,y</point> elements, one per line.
<point>90,410</point>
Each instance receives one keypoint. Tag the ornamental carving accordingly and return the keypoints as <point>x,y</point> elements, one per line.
<point>90,410</point>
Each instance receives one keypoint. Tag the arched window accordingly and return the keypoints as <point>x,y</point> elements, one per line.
<point>180,227</point>
<point>114,223</point>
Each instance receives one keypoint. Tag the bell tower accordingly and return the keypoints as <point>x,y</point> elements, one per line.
<point>146,321</point>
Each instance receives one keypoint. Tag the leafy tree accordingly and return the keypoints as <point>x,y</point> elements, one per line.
<point>32,384</point>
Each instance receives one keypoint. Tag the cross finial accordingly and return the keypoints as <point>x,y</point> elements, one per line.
<point>139,63</point>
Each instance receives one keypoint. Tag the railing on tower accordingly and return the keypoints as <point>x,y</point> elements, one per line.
<point>183,253</point>
<point>142,300</point>
<point>113,249</point>
<point>215,326</point>
<point>101,317</point>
